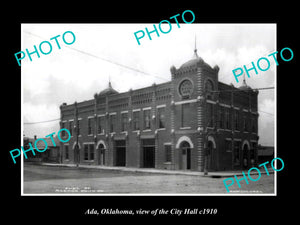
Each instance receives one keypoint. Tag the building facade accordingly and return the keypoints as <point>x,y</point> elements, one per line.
<point>193,122</point>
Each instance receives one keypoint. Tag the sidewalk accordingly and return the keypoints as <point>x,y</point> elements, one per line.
<point>214,174</point>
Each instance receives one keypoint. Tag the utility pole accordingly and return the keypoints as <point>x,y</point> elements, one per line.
<point>77,156</point>
<point>205,132</point>
<point>60,153</point>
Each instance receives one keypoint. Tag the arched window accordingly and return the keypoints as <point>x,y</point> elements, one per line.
<point>209,87</point>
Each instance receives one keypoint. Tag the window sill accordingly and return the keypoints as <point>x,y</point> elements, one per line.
<point>224,129</point>
<point>185,128</point>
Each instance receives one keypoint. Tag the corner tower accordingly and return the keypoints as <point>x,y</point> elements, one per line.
<point>191,85</point>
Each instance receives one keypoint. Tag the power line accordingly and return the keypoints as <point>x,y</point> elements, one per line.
<point>107,60</point>
<point>235,90</point>
<point>46,121</point>
<point>266,112</point>
<point>264,55</point>
<point>118,64</point>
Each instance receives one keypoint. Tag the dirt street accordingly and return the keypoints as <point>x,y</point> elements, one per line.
<point>71,180</point>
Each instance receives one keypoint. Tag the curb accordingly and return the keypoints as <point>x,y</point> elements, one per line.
<point>156,171</point>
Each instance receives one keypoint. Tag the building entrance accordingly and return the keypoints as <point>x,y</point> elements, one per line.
<point>120,156</point>
<point>212,159</point>
<point>185,155</point>
<point>101,151</point>
<point>148,152</point>
<point>76,154</point>
<point>245,156</point>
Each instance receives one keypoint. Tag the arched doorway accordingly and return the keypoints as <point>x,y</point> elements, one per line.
<point>76,149</point>
<point>185,150</point>
<point>246,149</point>
<point>253,153</point>
<point>184,146</point>
<point>211,154</point>
<point>101,154</point>
<point>101,148</point>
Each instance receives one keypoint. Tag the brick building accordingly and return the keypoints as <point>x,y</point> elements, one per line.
<point>191,122</point>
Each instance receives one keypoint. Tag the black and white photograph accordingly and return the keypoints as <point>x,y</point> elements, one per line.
<point>139,109</point>
<point>173,112</point>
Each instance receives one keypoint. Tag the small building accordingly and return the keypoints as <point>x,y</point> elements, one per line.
<point>52,153</point>
<point>265,153</point>
<point>193,122</point>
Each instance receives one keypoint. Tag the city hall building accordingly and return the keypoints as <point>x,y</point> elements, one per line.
<point>193,122</point>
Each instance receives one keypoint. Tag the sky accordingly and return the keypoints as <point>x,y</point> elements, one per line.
<point>103,52</point>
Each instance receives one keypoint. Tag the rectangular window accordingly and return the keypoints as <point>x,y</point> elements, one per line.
<point>90,126</point>
<point>67,152</point>
<point>236,149</point>
<point>237,119</point>
<point>245,123</point>
<point>71,126</point>
<point>210,116</point>
<point>161,117</point>
<point>89,153</point>
<point>253,122</point>
<point>112,120</point>
<point>124,122</point>
<point>100,124</point>
<point>136,120</point>
<point>147,119</point>
<point>86,152</point>
<point>63,132</point>
<point>222,117</point>
<point>228,146</point>
<point>227,119</point>
<point>168,153</point>
<point>185,115</point>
